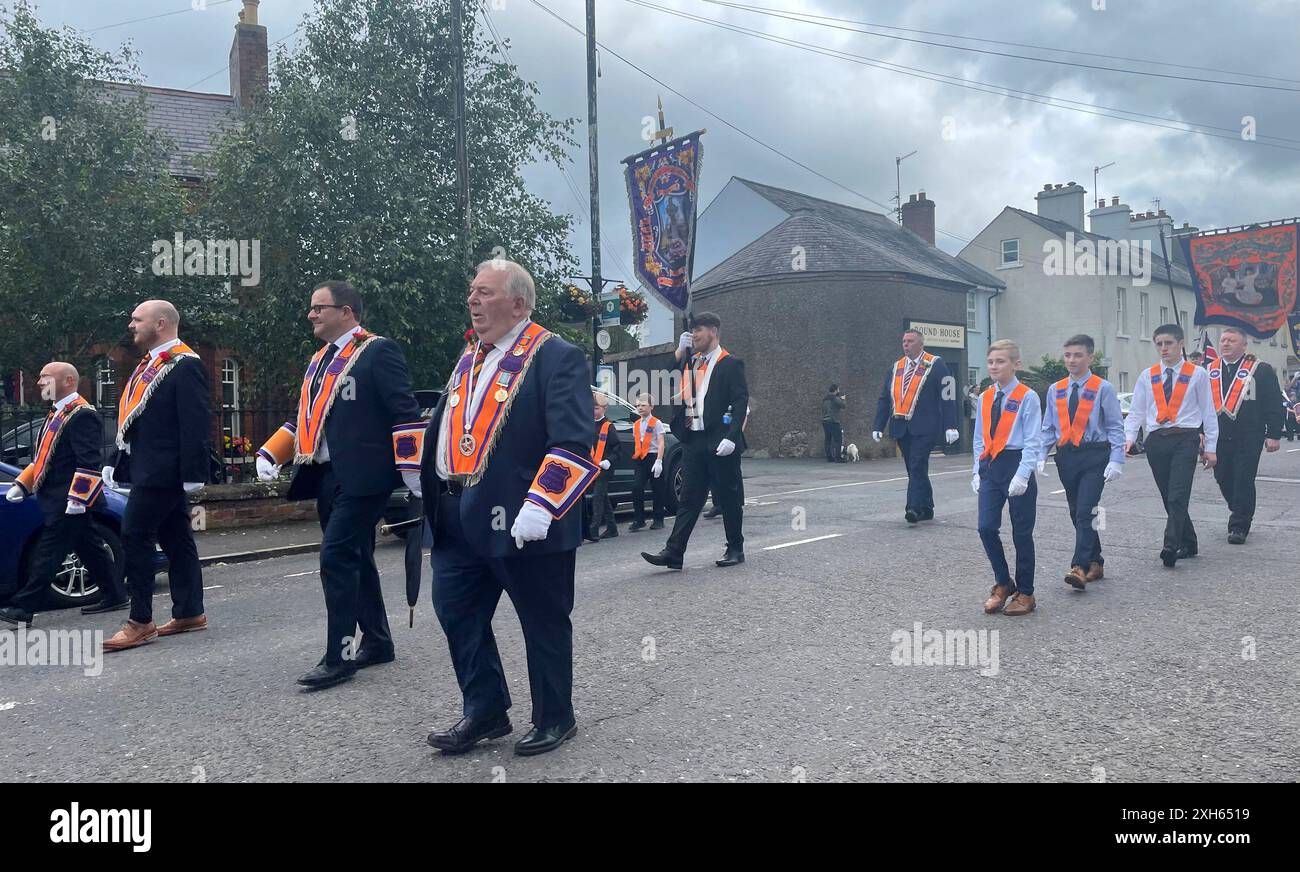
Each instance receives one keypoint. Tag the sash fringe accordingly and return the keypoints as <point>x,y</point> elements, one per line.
<point>123,426</point>
<point>299,458</point>
<point>54,444</point>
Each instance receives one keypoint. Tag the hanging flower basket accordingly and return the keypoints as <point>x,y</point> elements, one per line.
<point>632,307</point>
<point>578,305</point>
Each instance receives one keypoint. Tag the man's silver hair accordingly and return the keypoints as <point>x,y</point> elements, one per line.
<point>519,283</point>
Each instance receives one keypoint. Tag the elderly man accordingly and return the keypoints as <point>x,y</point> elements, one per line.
<point>162,438</point>
<point>513,435</point>
<point>64,475</point>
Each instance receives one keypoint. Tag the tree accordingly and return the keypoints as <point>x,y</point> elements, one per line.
<point>1043,375</point>
<point>346,169</point>
<point>84,191</point>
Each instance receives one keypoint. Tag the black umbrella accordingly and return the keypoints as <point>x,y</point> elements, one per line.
<point>414,555</point>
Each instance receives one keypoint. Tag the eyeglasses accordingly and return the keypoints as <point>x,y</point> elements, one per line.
<point>316,310</point>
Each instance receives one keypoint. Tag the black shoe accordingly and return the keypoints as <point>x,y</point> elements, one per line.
<point>15,615</point>
<point>610,533</point>
<point>731,558</point>
<point>105,606</point>
<point>911,517</point>
<point>1236,537</point>
<point>926,515</point>
<point>539,741</point>
<point>636,526</point>
<point>373,657</point>
<point>1168,557</point>
<point>468,732</point>
<point>1185,553</point>
<point>325,675</point>
<point>592,539</point>
<point>712,513</point>
<point>663,558</point>
<point>657,525</point>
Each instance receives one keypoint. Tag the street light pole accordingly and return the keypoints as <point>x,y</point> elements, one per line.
<point>462,157</point>
<point>597,286</point>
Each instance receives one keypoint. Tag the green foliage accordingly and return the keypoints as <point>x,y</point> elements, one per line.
<point>1043,375</point>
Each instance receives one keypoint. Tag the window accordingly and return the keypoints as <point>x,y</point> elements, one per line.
<point>1123,383</point>
<point>230,405</point>
<point>972,376</point>
<point>972,311</point>
<point>1144,320</point>
<point>105,383</point>
<point>1010,251</point>
<point>1121,311</point>
<point>1183,322</point>
<point>1164,316</point>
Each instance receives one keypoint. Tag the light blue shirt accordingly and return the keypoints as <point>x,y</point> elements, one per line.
<point>1105,422</point>
<point>1026,432</point>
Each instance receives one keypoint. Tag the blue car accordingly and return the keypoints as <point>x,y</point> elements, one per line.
<point>20,526</point>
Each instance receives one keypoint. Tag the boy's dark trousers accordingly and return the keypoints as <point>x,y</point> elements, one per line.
<point>602,509</point>
<point>1082,469</point>
<point>1172,454</point>
<point>995,478</point>
<point>643,473</point>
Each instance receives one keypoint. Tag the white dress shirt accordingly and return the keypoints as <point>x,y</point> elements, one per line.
<point>59,404</point>
<point>1197,410</point>
<point>322,453</point>
<point>702,389</point>
<point>486,378</point>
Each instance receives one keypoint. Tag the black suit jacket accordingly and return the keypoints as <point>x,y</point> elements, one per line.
<point>359,427</point>
<point>1258,417</point>
<point>933,415</point>
<point>80,446</point>
<point>613,447</point>
<point>171,437</point>
<point>727,390</point>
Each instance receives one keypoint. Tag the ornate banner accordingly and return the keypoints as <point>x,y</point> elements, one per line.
<point>1246,278</point>
<point>661,192</point>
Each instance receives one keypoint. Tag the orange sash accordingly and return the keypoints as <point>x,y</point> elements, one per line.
<point>468,449</point>
<point>1231,404</point>
<point>598,450</point>
<point>641,450</point>
<point>142,384</point>
<point>905,405</point>
<point>1072,430</point>
<point>995,442</point>
<point>1167,412</point>
<point>688,382</point>
<point>31,478</point>
<point>312,414</point>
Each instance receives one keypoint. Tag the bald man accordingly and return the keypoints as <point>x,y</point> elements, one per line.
<point>64,477</point>
<point>163,426</point>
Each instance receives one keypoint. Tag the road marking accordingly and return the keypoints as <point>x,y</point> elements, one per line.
<point>1282,480</point>
<point>1292,450</point>
<point>1061,491</point>
<point>853,484</point>
<point>297,574</point>
<point>213,587</point>
<point>768,503</point>
<point>5,706</point>
<point>803,541</point>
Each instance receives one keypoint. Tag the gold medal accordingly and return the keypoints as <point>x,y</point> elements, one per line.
<point>454,401</point>
<point>519,352</point>
<point>467,445</point>
<point>500,395</point>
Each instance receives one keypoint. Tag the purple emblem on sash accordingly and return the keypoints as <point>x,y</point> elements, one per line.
<point>55,424</point>
<point>1090,395</point>
<point>1012,405</point>
<point>405,446</point>
<point>554,478</point>
<point>463,366</point>
<point>80,485</point>
<point>336,365</point>
<point>511,363</point>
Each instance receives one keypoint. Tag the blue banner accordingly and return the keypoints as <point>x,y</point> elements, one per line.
<point>661,192</point>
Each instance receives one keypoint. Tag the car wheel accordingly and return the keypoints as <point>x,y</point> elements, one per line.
<point>73,584</point>
<point>676,481</point>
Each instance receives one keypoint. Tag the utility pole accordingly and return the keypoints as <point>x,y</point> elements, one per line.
<point>462,158</point>
<point>597,284</point>
<point>898,184</point>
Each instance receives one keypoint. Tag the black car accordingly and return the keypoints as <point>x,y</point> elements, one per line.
<point>623,414</point>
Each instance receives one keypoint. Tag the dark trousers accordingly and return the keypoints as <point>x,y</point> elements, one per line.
<point>916,454</point>
<point>995,478</point>
<point>1172,458</point>
<point>348,575</point>
<point>1081,470</point>
<point>61,535</point>
<point>161,516</point>
<point>602,508</point>
<point>1235,467</point>
<point>834,439</point>
<point>466,590</point>
<point>1289,426</point>
<point>702,471</point>
<point>643,473</point>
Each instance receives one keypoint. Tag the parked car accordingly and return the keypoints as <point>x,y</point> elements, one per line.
<point>1125,401</point>
<point>623,415</point>
<point>20,526</point>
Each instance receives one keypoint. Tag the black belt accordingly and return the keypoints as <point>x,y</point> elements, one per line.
<point>1173,431</point>
<point>1093,444</point>
<point>454,488</point>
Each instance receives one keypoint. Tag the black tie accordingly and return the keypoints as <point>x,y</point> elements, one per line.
<point>320,370</point>
<point>996,414</point>
<point>1169,383</point>
<point>1074,402</point>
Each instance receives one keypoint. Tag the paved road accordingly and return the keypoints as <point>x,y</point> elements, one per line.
<point>777,670</point>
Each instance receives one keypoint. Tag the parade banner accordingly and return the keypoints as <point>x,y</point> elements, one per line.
<point>1245,278</point>
<point>661,193</point>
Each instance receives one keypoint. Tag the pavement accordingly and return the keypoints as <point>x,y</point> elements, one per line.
<point>787,668</point>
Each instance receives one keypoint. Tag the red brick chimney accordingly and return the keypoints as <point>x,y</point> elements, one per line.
<point>248,57</point>
<point>918,216</point>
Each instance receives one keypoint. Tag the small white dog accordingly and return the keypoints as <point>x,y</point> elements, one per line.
<point>851,453</point>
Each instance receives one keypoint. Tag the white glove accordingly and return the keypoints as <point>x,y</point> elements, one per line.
<point>975,483</point>
<point>411,479</point>
<point>531,524</point>
<point>604,464</point>
<point>657,469</point>
<point>1042,467</point>
<point>1018,486</point>
<point>725,447</point>
<point>266,470</point>
<point>107,475</point>
<point>876,434</point>
<point>74,508</point>
<point>192,487</point>
<point>951,435</point>
<point>15,494</point>
<point>1113,471</point>
<point>684,342</point>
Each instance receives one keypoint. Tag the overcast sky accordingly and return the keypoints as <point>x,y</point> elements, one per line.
<point>976,152</point>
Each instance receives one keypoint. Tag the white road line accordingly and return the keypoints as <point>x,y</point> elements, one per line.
<point>1292,450</point>
<point>852,484</point>
<point>5,706</point>
<point>213,587</point>
<point>1274,478</point>
<point>297,574</point>
<point>803,541</point>
<point>1061,491</point>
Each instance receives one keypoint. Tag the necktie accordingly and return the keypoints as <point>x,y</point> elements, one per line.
<point>907,378</point>
<point>1169,383</point>
<point>139,368</point>
<point>483,350</point>
<point>1074,401</point>
<point>996,414</point>
<point>319,377</point>
<point>44,427</point>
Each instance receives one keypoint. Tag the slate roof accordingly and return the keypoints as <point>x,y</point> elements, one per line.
<point>189,118</point>
<point>837,238</point>
<point>1179,273</point>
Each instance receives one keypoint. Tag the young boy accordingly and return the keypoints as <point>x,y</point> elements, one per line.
<point>1084,422</point>
<point>1008,445</point>
<point>606,450</point>
<point>647,455</point>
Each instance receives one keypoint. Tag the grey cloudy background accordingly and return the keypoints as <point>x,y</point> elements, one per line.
<point>849,121</point>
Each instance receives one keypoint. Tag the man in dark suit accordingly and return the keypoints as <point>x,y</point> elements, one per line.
<point>356,437</point>
<point>1248,399</point>
<point>709,425</point>
<point>917,402</point>
<point>65,476</point>
<point>162,438</point>
<point>508,457</point>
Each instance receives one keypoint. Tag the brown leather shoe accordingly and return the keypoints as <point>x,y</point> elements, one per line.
<point>132,635</point>
<point>1021,604</point>
<point>998,598</point>
<point>1075,578</point>
<point>1096,572</point>
<point>183,625</point>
